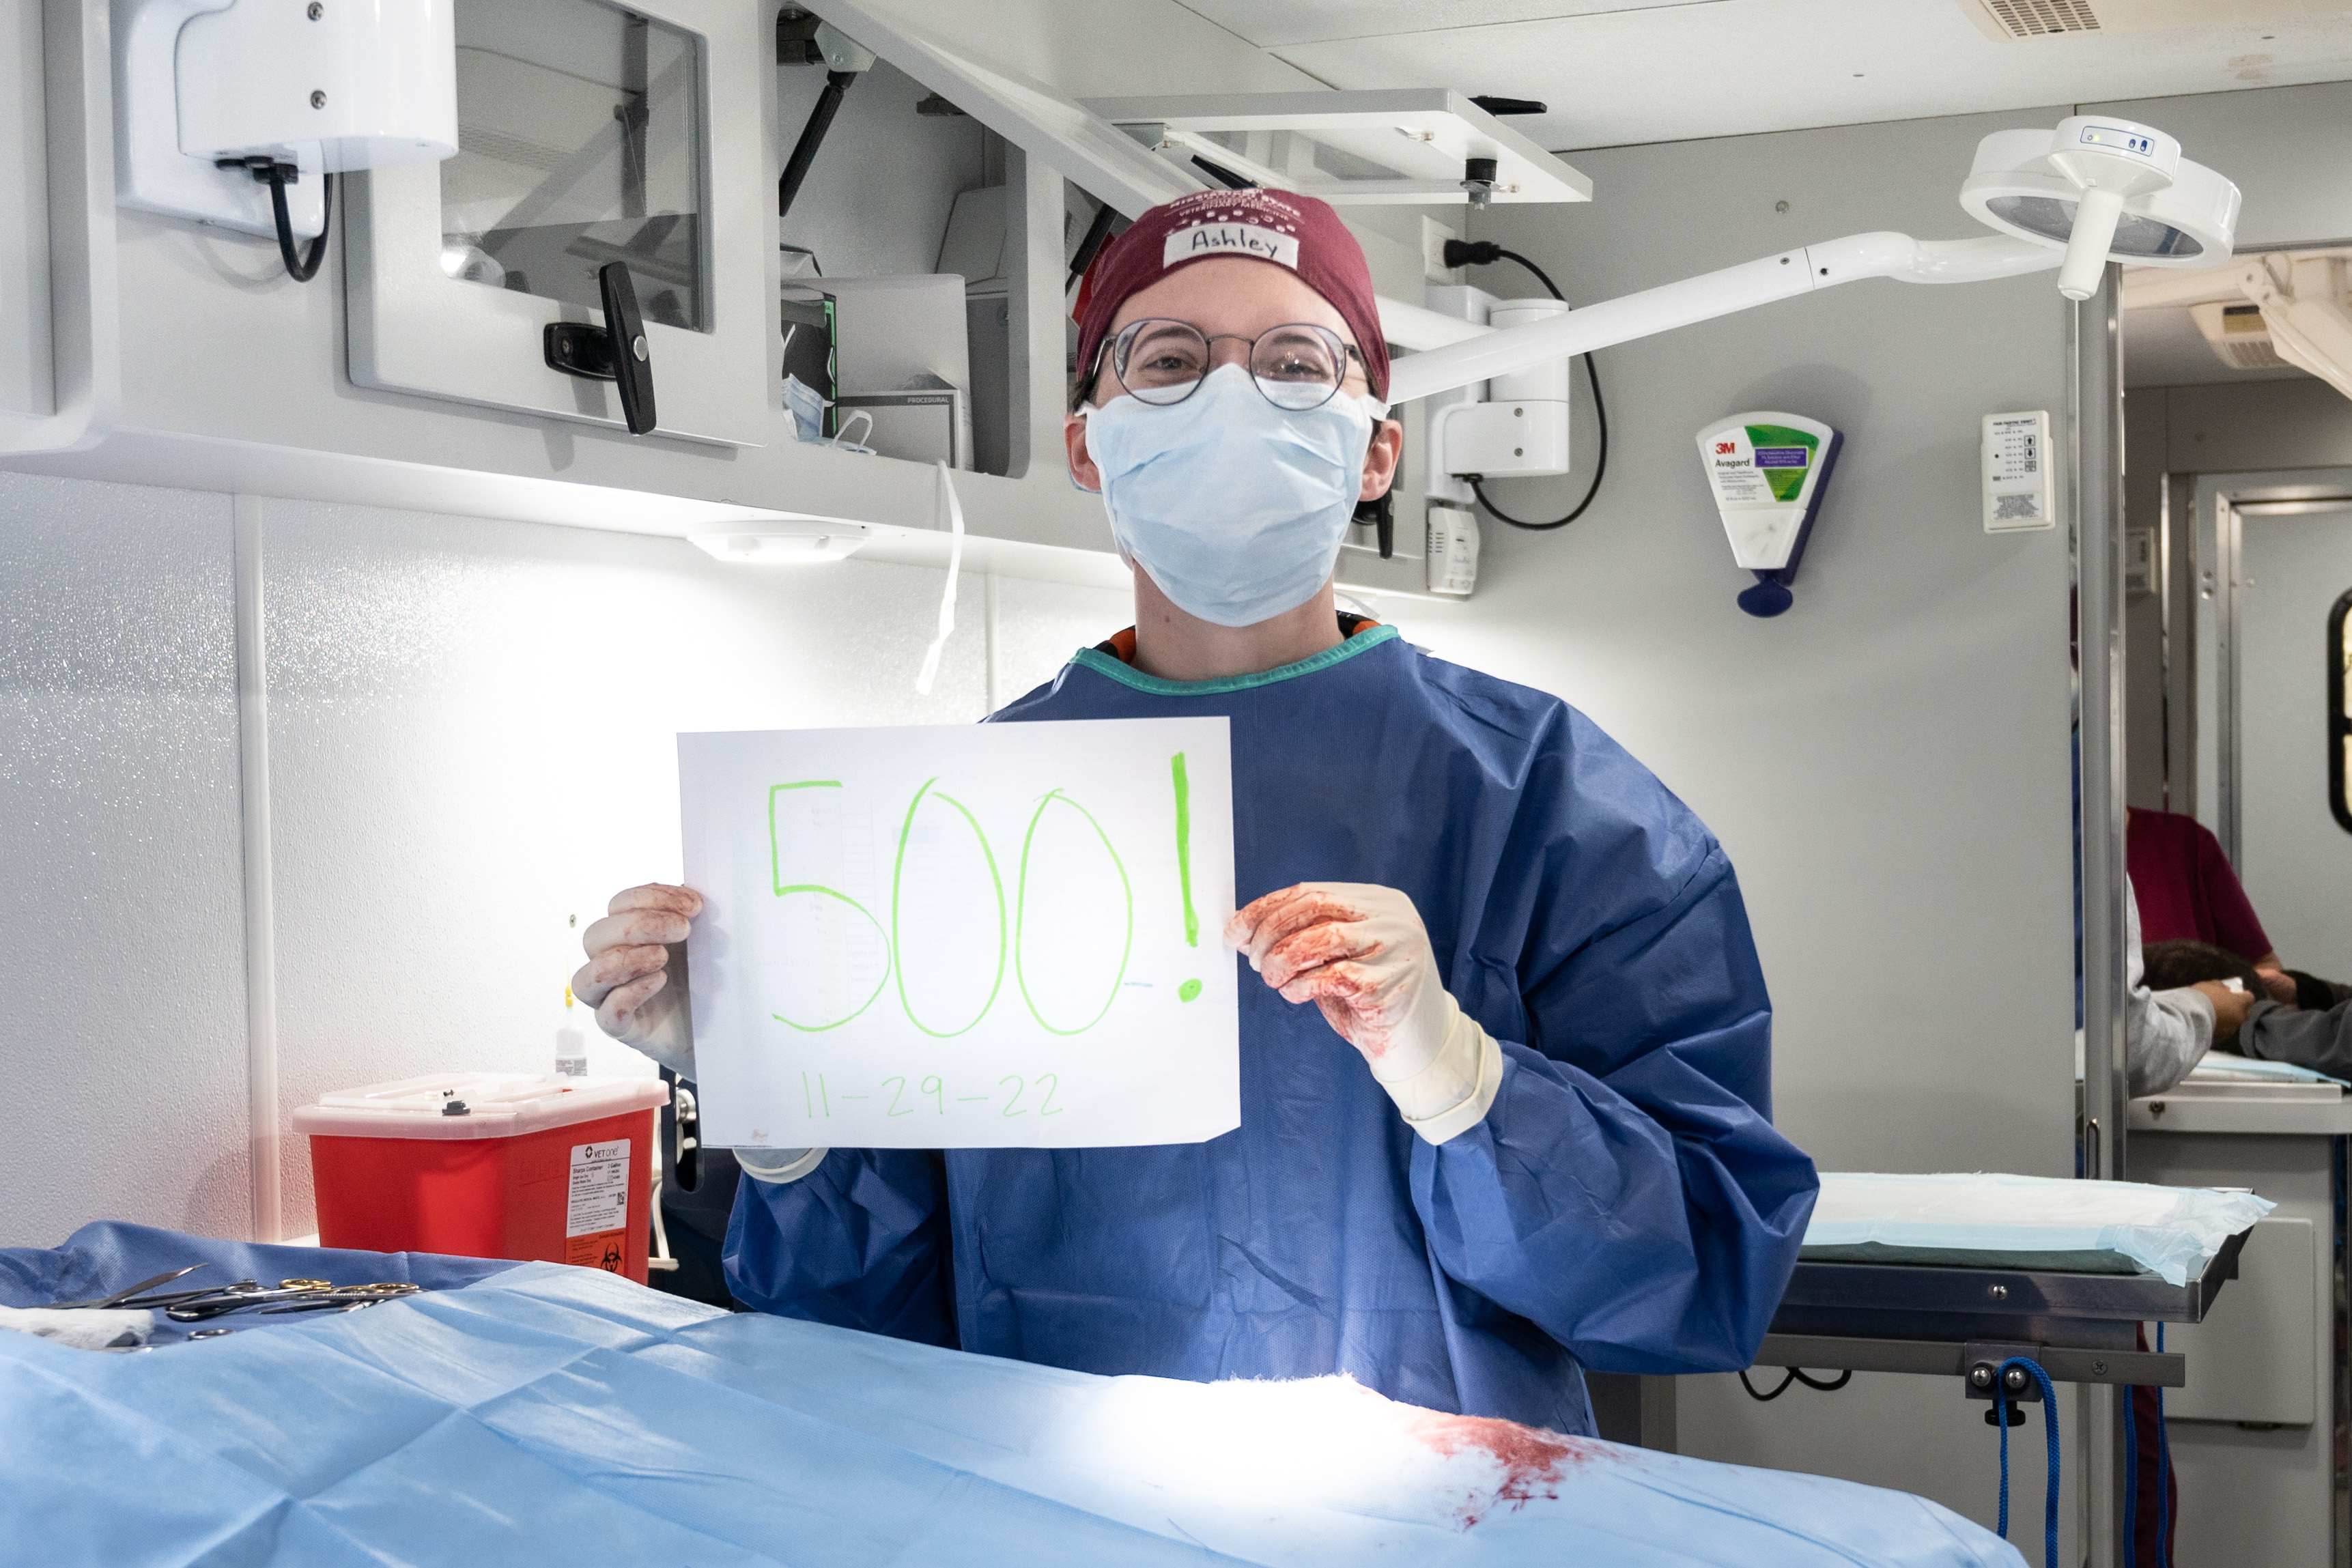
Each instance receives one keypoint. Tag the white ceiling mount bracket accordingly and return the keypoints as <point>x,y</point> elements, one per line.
<point>328,85</point>
<point>1115,165</point>
<point>151,172</point>
<point>2103,189</point>
<point>1391,147</point>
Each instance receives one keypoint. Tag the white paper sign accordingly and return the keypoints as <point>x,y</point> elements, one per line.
<point>963,936</point>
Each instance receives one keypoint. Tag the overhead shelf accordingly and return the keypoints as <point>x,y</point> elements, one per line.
<point>1404,146</point>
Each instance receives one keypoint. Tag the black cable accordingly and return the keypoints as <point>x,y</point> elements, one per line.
<point>1464,253</point>
<point>1825,1384</point>
<point>278,175</point>
<point>1541,276</point>
<point>303,268</point>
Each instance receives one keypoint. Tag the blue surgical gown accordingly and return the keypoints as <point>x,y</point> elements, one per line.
<point>1625,1206</point>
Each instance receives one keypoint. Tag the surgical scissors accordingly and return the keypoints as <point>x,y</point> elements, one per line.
<point>289,1296</point>
<point>292,1296</point>
<point>123,1296</point>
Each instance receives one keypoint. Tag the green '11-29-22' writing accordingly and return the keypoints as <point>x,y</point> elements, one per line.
<point>1014,1095</point>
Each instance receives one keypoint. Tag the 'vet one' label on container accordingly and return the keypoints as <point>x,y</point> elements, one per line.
<point>595,1221</point>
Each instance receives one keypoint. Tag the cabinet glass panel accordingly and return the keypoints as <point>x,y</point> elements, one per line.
<point>579,143</point>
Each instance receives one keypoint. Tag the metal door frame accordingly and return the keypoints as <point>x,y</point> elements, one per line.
<point>2222,502</point>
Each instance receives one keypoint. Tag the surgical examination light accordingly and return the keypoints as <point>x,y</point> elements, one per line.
<point>2092,191</point>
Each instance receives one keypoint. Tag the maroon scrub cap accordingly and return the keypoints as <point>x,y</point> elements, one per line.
<point>1279,228</point>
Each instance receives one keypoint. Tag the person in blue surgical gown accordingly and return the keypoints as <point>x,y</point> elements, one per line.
<point>1505,1087</point>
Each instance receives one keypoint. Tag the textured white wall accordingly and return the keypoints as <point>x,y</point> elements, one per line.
<point>121,909</point>
<point>471,732</point>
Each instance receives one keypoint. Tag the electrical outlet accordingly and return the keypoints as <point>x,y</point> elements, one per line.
<point>1433,235</point>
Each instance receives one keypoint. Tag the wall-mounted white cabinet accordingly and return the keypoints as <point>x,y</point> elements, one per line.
<point>587,134</point>
<point>413,371</point>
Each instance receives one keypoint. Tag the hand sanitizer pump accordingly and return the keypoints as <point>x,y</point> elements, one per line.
<point>1769,472</point>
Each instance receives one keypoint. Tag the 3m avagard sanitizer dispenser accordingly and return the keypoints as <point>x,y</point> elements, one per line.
<point>1767,472</point>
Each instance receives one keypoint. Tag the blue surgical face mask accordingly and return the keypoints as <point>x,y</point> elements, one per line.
<point>1235,506</point>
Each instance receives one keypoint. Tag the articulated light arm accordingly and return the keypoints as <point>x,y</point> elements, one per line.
<point>1418,327</point>
<point>2309,325</point>
<point>1707,296</point>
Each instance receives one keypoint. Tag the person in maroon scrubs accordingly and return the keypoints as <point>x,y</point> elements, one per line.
<point>2186,891</point>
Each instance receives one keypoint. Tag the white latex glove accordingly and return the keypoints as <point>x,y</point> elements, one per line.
<point>1361,953</point>
<point>635,973</point>
<point>636,979</point>
<point>779,1166</point>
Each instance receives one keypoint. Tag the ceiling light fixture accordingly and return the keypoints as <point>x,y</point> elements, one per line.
<point>784,539</point>
<point>2100,187</point>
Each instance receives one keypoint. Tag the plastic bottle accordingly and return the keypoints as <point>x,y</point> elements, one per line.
<point>571,1044</point>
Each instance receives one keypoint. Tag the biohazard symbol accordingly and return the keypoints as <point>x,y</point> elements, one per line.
<point>603,1250</point>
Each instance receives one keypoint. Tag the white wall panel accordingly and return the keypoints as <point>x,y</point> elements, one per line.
<point>123,1037</point>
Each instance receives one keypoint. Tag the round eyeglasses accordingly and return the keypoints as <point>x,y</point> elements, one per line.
<point>1297,366</point>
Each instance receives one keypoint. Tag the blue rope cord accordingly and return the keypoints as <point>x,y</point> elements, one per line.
<point>2050,1433</point>
<point>2131,1478</point>
<point>2163,1474</point>
<point>2163,1478</point>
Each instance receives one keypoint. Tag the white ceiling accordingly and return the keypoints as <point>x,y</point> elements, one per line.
<point>1616,71</point>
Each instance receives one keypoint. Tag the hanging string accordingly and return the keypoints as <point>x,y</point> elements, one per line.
<point>947,594</point>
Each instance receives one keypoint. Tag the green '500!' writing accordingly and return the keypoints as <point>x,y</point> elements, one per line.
<point>1011,922</point>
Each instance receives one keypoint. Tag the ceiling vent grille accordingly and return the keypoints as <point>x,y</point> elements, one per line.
<point>2011,20</point>
<point>2040,18</point>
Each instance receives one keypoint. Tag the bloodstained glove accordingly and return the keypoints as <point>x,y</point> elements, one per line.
<point>1361,953</point>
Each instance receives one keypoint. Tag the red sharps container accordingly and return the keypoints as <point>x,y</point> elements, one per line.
<point>489,1165</point>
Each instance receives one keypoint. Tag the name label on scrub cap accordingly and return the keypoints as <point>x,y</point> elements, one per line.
<point>1230,239</point>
